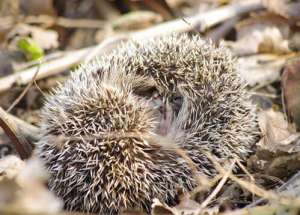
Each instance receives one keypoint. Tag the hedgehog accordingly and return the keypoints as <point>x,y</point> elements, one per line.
<point>102,128</point>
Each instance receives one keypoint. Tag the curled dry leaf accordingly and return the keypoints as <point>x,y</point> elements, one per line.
<point>31,195</point>
<point>277,134</point>
<point>260,69</point>
<point>269,40</point>
<point>284,166</point>
<point>261,21</point>
<point>278,152</point>
<point>290,89</point>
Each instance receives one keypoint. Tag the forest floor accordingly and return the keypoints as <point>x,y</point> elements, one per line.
<point>41,41</point>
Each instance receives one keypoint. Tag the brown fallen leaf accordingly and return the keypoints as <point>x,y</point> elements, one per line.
<point>290,82</point>
<point>260,69</point>
<point>277,134</point>
<point>286,8</point>
<point>9,7</point>
<point>268,40</point>
<point>261,21</point>
<point>36,7</point>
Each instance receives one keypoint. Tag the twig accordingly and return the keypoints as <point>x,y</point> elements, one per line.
<point>9,21</point>
<point>39,89</point>
<point>253,188</point>
<point>268,95</point>
<point>245,170</point>
<point>218,187</point>
<point>18,99</point>
<point>22,146</point>
<point>105,47</point>
<point>222,30</point>
<point>47,69</point>
<point>203,20</point>
<point>30,132</point>
<point>65,22</point>
<point>284,188</point>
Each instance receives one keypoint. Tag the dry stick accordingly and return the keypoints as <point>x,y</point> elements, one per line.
<point>253,188</point>
<point>201,179</point>
<point>105,47</point>
<point>284,188</point>
<point>245,170</point>
<point>21,145</point>
<point>29,131</point>
<point>65,22</point>
<point>203,20</point>
<point>222,30</point>
<point>56,66</point>
<point>168,144</point>
<point>9,21</point>
<point>39,89</point>
<point>47,69</point>
<point>18,99</point>
<point>218,187</point>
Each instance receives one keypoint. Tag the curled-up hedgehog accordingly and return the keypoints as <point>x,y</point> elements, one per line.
<point>102,128</point>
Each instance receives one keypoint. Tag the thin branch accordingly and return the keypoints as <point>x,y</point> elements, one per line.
<point>65,22</point>
<point>222,30</point>
<point>204,20</point>
<point>30,132</point>
<point>218,187</point>
<point>47,69</point>
<point>18,99</point>
<point>201,21</point>
<point>22,146</point>
<point>253,188</point>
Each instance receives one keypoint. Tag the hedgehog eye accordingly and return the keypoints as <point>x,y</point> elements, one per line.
<point>146,92</point>
<point>177,99</point>
<point>176,102</point>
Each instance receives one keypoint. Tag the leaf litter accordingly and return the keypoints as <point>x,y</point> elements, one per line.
<point>264,40</point>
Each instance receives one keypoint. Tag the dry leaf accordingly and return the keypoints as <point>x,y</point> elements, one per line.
<point>277,134</point>
<point>9,8</point>
<point>159,208</point>
<point>290,88</point>
<point>269,40</point>
<point>38,7</point>
<point>260,22</point>
<point>35,196</point>
<point>286,8</point>
<point>23,187</point>
<point>10,167</point>
<point>260,69</point>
